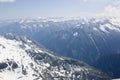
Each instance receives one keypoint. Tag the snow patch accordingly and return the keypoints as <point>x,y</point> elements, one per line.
<point>75,34</point>
<point>95,29</point>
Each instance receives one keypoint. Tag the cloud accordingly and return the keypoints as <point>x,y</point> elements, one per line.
<point>7,1</point>
<point>112,10</point>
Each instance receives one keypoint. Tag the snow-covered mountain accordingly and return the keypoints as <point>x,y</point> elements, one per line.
<point>23,59</point>
<point>87,39</point>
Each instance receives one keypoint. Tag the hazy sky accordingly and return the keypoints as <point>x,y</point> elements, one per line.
<point>51,8</point>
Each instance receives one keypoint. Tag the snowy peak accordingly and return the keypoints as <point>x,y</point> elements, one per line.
<point>26,26</point>
<point>22,59</point>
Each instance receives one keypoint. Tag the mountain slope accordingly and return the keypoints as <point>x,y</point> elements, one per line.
<point>22,59</point>
<point>86,39</point>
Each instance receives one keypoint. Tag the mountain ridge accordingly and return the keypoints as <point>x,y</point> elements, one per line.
<point>86,39</point>
<point>21,59</point>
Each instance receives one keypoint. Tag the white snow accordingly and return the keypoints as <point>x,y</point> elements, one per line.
<point>21,21</point>
<point>103,28</point>
<point>108,26</point>
<point>10,50</point>
<point>95,29</point>
<point>92,39</point>
<point>115,21</point>
<point>75,34</point>
<point>112,27</point>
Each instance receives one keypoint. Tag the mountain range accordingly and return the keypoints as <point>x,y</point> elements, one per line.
<point>92,40</point>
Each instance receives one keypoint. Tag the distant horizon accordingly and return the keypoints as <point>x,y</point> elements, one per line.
<point>13,9</point>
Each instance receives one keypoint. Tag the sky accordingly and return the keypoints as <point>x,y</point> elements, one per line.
<point>52,8</point>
